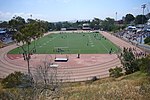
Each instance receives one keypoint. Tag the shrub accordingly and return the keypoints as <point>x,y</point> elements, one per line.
<point>115,72</point>
<point>147,40</point>
<point>144,64</point>
<point>6,95</point>
<point>129,61</point>
<point>16,79</point>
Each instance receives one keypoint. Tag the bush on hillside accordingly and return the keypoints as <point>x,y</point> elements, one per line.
<point>144,64</point>
<point>147,40</point>
<point>129,61</point>
<point>17,79</point>
<point>115,72</point>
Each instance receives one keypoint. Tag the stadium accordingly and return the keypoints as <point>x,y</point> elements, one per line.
<point>75,55</point>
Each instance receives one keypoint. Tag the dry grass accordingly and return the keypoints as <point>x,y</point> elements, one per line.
<point>131,87</point>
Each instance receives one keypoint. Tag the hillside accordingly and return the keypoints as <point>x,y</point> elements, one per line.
<point>131,87</point>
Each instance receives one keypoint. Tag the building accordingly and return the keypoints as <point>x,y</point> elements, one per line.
<point>148,22</point>
<point>3,32</point>
<point>6,35</point>
<point>86,27</point>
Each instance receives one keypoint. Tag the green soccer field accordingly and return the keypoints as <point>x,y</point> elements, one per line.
<point>71,43</point>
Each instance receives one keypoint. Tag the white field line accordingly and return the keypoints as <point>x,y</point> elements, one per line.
<point>90,40</point>
<point>113,46</point>
<point>104,46</point>
<point>48,41</point>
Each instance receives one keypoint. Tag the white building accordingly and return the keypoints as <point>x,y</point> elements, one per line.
<point>86,27</point>
<point>148,22</point>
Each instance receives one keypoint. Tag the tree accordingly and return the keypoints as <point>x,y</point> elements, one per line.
<point>95,24</point>
<point>47,26</point>
<point>129,18</point>
<point>58,26</point>
<point>147,40</point>
<point>47,83</point>
<point>66,24</point>
<point>129,61</point>
<point>108,24</point>
<point>116,72</point>
<point>44,25</point>
<point>144,64</point>
<point>140,19</point>
<point>4,24</point>
<point>17,22</point>
<point>25,35</point>
<point>51,26</point>
<point>29,20</point>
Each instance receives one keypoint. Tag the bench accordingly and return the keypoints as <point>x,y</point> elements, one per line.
<point>61,59</point>
<point>54,66</point>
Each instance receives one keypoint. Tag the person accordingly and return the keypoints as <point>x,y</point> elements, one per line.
<point>111,49</point>
<point>24,56</point>
<point>110,52</point>
<point>87,44</point>
<point>78,55</point>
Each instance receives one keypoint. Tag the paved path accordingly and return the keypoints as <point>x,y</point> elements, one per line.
<point>75,69</point>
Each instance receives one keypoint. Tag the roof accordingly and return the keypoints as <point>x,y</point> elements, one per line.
<point>2,32</point>
<point>131,27</point>
<point>85,24</point>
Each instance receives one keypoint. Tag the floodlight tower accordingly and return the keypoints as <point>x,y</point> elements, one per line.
<point>31,16</point>
<point>143,7</point>
<point>116,16</point>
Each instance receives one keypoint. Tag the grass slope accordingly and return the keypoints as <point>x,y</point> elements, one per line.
<point>132,87</point>
<point>71,43</point>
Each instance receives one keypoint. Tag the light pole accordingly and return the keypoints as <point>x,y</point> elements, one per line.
<point>143,7</point>
<point>116,16</point>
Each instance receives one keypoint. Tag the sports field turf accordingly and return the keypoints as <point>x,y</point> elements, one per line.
<point>71,43</point>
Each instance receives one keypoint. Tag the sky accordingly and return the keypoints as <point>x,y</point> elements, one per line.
<point>70,10</point>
